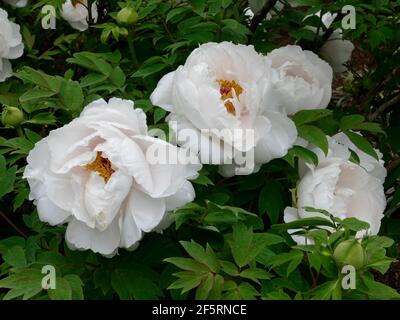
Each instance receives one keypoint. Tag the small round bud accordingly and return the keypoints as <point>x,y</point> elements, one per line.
<point>127,16</point>
<point>12,117</point>
<point>350,252</point>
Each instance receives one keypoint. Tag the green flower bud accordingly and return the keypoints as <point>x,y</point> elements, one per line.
<point>127,16</point>
<point>350,252</point>
<point>12,117</point>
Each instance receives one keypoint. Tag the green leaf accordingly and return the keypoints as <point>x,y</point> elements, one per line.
<point>26,283</point>
<point>315,136</point>
<point>294,255</point>
<point>206,257</point>
<point>158,114</point>
<point>32,136</point>
<point>35,94</point>
<point>203,291</point>
<point>176,12</point>
<point>92,79</point>
<point>246,245</point>
<point>118,77</point>
<point>203,180</point>
<point>362,143</point>
<point>380,291</point>
<point>3,167</point>
<point>76,286</point>
<point>255,274</point>
<point>303,154</point>
<point>216,290</point>
<point>247,291</point>
<point>187,264</point>
<point>39,78</point>
<point>71,95</point>
<point>229,268</point>
<point>351,122</point>
<point>7,181</point>
<point>149,70</point>
<point>102,280</point>
<point>62,291</point>
<point>325,290</point>
<point>271,201</point>
<point>8,243</point>
<point>137,282</point>
<point>308,116</point>
<point>241,243</point>
<point>307,222</point>
<point>42,118</point>
<point>355,224</point>
<point>15,257</point>
<point>92,62</point>
<point>188,280</point>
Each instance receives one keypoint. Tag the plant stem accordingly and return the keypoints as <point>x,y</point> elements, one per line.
<point>384,107</point>
<point>14,226</point>
<point>20,132</point>
<point>260,16</point>
<point>131,46</point>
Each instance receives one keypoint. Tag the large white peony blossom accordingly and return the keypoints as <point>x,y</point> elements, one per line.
<point>77,14</point>
<point>97,175</point>
<point>17,3</point>
<point>305,80</point>
<point>11,46</point>
<point>341,187</point>
<point>225,87</point>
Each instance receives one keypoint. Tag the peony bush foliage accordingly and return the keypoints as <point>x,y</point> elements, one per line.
<point>200,149</point>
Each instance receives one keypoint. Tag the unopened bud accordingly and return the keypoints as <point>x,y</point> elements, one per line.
<point>127,16</point>
<point>12,117</point>
<point>350,252</point>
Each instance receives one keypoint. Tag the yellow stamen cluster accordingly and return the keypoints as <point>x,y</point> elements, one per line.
<point>226,91</point>
<point>102,166</point>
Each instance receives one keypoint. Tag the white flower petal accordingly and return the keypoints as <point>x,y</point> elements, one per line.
<point>50,213</point>
<point>80,236</point>
<point>146,211</point>
<point>278,134</point>
<point>183,196</point>
<point>162,95</point>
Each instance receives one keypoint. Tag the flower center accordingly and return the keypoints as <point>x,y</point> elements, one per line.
<point>102,166</point>
<point>226,90</point>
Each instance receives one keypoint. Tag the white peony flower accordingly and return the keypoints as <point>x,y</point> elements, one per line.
<point>11,46</point>
<point>305,80</point>
<point>225,87</point>
<point>17,3</point>
<point>341,187</point>
<point>77,14</point>
<point>96,175</point>
<point>336,51</point>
